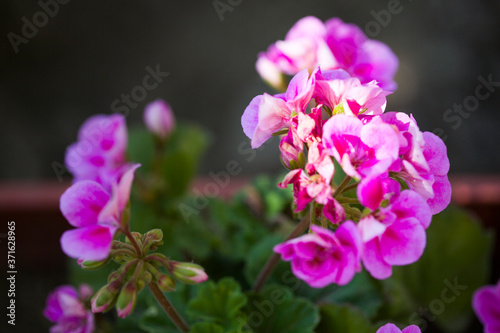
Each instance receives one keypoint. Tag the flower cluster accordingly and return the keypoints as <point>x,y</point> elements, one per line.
<point>331,45</point>
<point>99,153</point>
<point>399,172</point>
<point>66,307</point>
<point>391,328</point>
<point>97,205</point>
<point>486,304</point>
<point>96,214</point>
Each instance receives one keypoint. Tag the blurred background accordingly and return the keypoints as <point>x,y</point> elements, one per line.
<point>88,55</point>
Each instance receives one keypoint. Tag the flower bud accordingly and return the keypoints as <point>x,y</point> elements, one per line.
<point>127,299</point>
<point>159,118</point>
<point>153,239</point>
<point>105,298</point>
<point>188,272</point>
<point>90,264</point>
<point>165,282</point>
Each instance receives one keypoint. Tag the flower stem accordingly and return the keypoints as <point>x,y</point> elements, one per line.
<point>342,185</point>
<point>168,308</point>
<point>273,260</point>
<point>349,188</point>
<point>133,241</point>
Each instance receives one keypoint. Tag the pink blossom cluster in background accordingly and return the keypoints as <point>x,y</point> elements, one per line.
<point>391,328</point>
<point>398,172</point>
<point>331,45</point>
<point>99,153</point>
<point>66,309</point>
<point>486,305</point>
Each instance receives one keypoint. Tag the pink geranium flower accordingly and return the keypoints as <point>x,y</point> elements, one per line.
<point>96,214</point>
<point>331,45</point>
<point>393,235</point>
<point>324,257</point>
<point>99,153</point>
<point>423,162</point>
<point>391,328</point>
<point>486,304</point>
<point>268,114</point>
<point>65,307</point>
<point>361,150</point>
<point>336,88</point>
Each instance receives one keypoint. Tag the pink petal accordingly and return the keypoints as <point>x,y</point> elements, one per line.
<point>82,202</point>
<point>370,228</point>
<point>412,329</point>
<point>389,328</point>
<point>273,116</point>
<point>334,211</point>
<point>374,262</point>
<point>442,194</point>
<point>88,243</point>
<point>486,304</point>
<point>435,154</point>
<point>403,242</point>
<point>335,132</point>
<point>370,192</point>
<point>308,26</point>
<point>410,204</point>
<point>250,117</point>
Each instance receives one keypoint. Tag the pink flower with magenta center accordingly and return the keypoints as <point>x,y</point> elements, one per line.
<point>65,307</point>
<point>391,328</point>
<point>361,150</point>
<point>96,214</point>
<point>394,235</point>
<point>99,153</point>
<point>324,257</point>
<point>331,45</point>
<point>268,114</point>
<point>486,305</point>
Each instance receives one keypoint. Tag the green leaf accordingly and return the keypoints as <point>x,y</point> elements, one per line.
<point>275,310</point>
<point>361,292</point>
<point>206,328</point>
<point>140,148</point>
<point>439,287</point>
<point>219,303</point>
<point>259,255</point>
<point>343,318</point>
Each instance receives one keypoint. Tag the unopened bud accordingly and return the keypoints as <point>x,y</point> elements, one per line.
<point>188,272</point>
<point>153,239</point>
<point>90,264</point>
<point>165,282</point>
<point>127,299</point>
<point>105,298</point>
<point>159,118</point>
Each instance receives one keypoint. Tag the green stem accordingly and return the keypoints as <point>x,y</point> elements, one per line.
<point>168,308</point>
<point>133,241</point>
<point>348,200</point>
<point>273,260</point>
<point>341,186</point>
<point>349,188</point>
